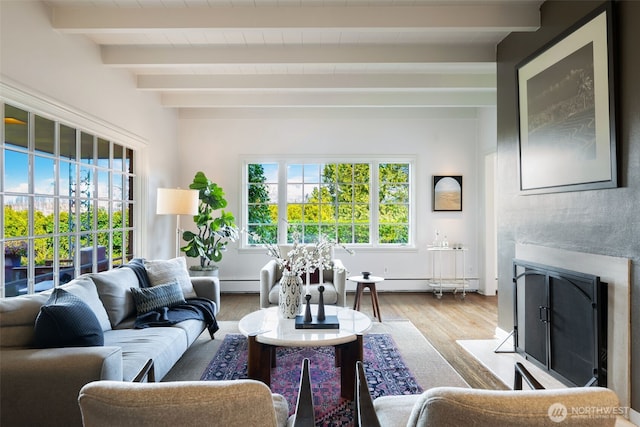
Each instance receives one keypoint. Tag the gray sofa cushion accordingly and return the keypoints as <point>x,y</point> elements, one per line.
<point>85,289</point>
<point>165,271</point>
<point>192,327</point>
<point>165,345</point>
<point>17,317</point>
<point>114,288</point>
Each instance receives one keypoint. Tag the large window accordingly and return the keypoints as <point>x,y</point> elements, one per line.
<point>67,198</point>
<point>353,203</point>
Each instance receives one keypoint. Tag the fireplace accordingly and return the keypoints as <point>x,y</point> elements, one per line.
<point>560,322</point>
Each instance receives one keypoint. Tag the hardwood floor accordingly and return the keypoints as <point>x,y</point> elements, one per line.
<point>441,321</point>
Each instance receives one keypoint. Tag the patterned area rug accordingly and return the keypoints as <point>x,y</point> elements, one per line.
<point>385,370</point>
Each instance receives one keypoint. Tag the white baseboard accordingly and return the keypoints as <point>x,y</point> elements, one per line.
<point>389,285</point>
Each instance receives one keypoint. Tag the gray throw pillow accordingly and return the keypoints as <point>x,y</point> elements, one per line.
<point>85,289</point>
<point>157,297</point>
<point>166,271</point>
<point>67,321</point>
<point>114,291</point>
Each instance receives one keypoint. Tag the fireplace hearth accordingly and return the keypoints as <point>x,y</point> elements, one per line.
<point>560,322</point>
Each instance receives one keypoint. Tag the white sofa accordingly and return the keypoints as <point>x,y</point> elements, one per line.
<point>39,386</point>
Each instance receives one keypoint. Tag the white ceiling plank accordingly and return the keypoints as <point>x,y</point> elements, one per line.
<point>156,56</point>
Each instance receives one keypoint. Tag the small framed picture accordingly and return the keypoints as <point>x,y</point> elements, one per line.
<point>447,193</point>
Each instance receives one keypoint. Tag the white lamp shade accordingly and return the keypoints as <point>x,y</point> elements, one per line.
<point>177,201</point>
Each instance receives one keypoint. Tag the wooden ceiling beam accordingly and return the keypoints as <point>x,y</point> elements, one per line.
<point>513,16</point>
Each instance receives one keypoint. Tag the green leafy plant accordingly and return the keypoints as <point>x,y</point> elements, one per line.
<point>215,230</point>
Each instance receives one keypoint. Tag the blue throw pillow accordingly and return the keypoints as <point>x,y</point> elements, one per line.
<point>157,297</point>
<point>67,321</point>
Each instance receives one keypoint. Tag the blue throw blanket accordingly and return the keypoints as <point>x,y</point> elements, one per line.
<point>137,265</point>
<point>195,308</point>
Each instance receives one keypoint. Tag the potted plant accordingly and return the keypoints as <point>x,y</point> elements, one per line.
<point>14,251</point>
<point>215,230</point>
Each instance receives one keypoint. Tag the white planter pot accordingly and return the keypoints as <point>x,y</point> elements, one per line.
<point>203,273</point>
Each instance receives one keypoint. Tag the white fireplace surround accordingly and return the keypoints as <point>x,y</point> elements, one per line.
<point>616,272</point>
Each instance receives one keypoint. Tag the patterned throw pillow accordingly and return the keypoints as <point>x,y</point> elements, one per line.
<point>157,297</point>
<point>67,321</point>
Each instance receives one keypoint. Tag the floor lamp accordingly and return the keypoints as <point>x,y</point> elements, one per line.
<point>175,201</point>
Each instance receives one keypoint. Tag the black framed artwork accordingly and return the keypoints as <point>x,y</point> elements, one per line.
<point>567,138</point>
<point>447,193</point>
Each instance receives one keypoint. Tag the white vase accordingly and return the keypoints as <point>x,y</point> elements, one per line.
<point>290,296</point>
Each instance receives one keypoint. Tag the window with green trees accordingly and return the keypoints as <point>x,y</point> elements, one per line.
<point>354,203</point>
<point>67,198</point>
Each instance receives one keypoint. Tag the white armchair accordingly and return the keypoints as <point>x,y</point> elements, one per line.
<point>242,402</point>
<point>334,281</point>
<point>455,406</point>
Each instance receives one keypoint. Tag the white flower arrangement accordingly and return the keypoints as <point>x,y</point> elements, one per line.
<point>304,258</point>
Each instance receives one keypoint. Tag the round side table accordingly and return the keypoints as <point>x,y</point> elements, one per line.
<point>369,282</point>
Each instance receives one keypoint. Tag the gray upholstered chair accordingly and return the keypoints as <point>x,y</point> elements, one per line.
<point>245,403</point>
<point>334,281</point>
<point>454,406</point>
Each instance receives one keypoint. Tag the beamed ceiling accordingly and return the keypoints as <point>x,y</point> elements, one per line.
<point>283,54</point>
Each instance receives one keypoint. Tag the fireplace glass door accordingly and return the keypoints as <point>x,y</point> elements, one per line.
<point>560,322</point>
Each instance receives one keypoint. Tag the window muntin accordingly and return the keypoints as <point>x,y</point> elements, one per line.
<point>68,202</point>
<point>355,203</point>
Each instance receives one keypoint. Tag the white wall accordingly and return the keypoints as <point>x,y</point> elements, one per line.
<point>443,142</point>
<point>487,135</point>
<point>66,70</point>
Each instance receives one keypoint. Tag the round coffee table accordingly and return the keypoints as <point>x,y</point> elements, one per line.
<point>266,329</point>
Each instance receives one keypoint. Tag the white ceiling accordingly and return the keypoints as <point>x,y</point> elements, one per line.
<point>264,54</point>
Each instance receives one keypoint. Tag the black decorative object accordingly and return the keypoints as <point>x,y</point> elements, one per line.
<point>365,275</point>
<point>321,315</point>
<point>307,311</point>
<point>321,321</point>
<point>330,322</point>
